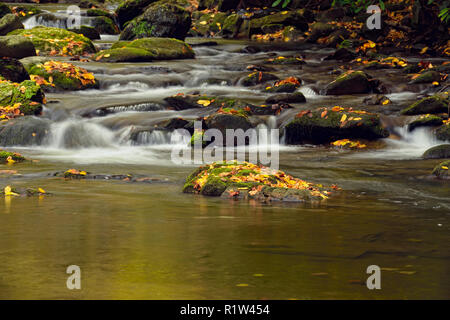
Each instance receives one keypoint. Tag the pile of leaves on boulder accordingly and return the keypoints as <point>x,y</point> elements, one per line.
<point>19,99</point>
<point>62,76</point>
<point>244,180</point>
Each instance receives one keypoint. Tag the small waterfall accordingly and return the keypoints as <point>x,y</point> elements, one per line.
<point>75,134</point>
<point>55,20</point>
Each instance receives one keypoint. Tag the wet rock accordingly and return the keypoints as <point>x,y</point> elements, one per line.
<point>280,60</point>
<point>87,31</point>
<point>412,68</point>
<point>105,25</point>
<point>160,19</point>
<point>205,44</point>
<point>208,24</point>
<point>8,23</point>
<point>443,132</point>
<point>272,28</point>
<point>258,67</point>
<point>5,155</point>
<point>66,42</point>
<point>81,174</point>
<point>193,101</point>
<point>425,121</point>
<point>224,121</point>
<point>427,77</point>
<point>147,49</point>
<point>377,99</point>
<point>296,97</point>
<point>27,93</point>
<point>434,104</point>
<point>441,171</point>
<point>319,127</point>
<point>250,49</point>
<point>24,131</point>
<point>13,70</point>
<point>100,13</point>
<point>319,30</point>
<point>256,78</point>
<point>350,83</point>
<point>243,180</point>
<point>333,14</point>
<point>438,152</point>
<point>16,47</point>
<point>342,54</point>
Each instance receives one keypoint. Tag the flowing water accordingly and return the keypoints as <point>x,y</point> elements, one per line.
<point>149,240</point>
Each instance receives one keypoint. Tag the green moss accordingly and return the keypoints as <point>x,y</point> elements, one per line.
<point>442,170</point>
<point>47,39</point>
<point>27,93</point>
<point>425,121</point>
<point>433,104</point>
<point>14,155</point>
<point>438,152</point>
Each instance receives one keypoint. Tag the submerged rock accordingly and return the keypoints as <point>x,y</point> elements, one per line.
<point>256,78</point>
<point>160,19</point>
<point>441,170</point>
<point>325,125</point>
<point>434,104</point>
<point>243,180</point>
<point>13,70</point>
<point>16,46</point>
<point>438,152</point>
<point>8,23</point>
<point>55,41</point>
<point>147,49</point>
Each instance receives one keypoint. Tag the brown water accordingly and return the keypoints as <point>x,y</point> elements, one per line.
<point>150,241</point>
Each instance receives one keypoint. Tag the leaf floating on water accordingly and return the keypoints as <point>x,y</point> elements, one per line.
<point>204,103</point>
<point>41,190</point>
<point>242,285</point>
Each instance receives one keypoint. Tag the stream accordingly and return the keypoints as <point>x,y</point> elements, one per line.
<point>151,241</point>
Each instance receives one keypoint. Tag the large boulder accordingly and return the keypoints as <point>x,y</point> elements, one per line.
<point>130,9</point>
<point>427,120</point>
<point>13,70</point>
<point>105,25</point>
<point>55,41</point>
<point>160,19</point>
<point>8,23</point>
<point>435,104</point>
<point>296,18</point>
<point>438,152</point>
<point>55,76</point>
<point>27,97</point>
<point>147,49</point>
<point>24,131</point>
<point>296,97</point>
<point>227,120</point>
<point>353,82</point>
<point>16,47</point>
<point>325,125</point>
<point>87,31</point>
<point>243,180</point>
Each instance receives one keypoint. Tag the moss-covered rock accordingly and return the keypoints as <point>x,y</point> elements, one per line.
<point>88,32</point>
<point>443,132</point>
<point>27,96</point>
<point>319,30</point>
<point>349,83</point>
<point>243,180</point>
<point>5,155</point>
<point>441,171</point>
<point>25,12</point>
<point>16,46</point>
<point>100,13</point>
<point>438,152</point>
<point>341,54</point>
<point>296,18</point>
<point>209,24</point>
<point>130,9</point>
<point>434,104</point>
<point>163,19</point>
<point>56,76</point>
<point>147,49</point>
<point>55,41</point>
<point>287,85</point>
<point>256,78</point>
<point>425,121</point>
<point>280,60</point>
<point>227,120</point>
<point>194,101</point>
<point>105,25</point>
<point>427,77</point>
<point>325,125</point>
<point>13,70</point>
<point>8,23</point>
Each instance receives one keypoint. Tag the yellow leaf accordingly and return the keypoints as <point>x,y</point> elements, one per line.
<point>83,173</point>
<point>50,79</point>
<point>435,83</point>
<point>444,167</point>
<point>8,192</point>
<point>107,55</point>
<point>203,22</point>
<point>385,102</point>
<point>204,103</point>
<point>10,160</point>
<point>285,12</point>
<point>423,50</point>
<point>344,117</point>
<point>41,190</point>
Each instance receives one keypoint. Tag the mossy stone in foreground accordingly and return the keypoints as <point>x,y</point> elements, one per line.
<point>16,46</point>
<point>27,93</point>
<point>4,155</point>
<point>349,83</point>
<point>57,41</point>
<point>244,180</point>
<point>13,70</point>
<point>425,121</point>
<point>438,152</point>
<point>9,23</point>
